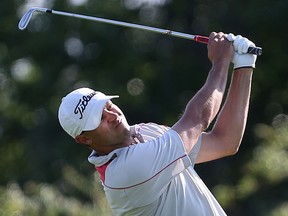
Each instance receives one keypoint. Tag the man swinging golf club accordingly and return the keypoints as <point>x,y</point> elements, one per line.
<point>148,169</point>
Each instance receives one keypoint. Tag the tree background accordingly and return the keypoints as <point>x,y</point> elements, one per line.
<point>43,172</point>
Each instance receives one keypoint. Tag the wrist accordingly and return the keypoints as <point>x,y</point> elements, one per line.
<point>244,70</point>
<point>219,70</point>
<point>221,64</point>
<point>244,60</point>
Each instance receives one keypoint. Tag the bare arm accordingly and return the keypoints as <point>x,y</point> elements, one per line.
<point>204,106</point>
<point>226,135</point>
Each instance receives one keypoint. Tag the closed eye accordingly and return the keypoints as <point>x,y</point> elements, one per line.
<point>109,106</point>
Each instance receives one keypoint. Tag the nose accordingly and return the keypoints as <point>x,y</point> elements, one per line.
<point>109,116</point>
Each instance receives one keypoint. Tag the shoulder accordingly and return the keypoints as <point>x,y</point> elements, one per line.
<point>150,130</point>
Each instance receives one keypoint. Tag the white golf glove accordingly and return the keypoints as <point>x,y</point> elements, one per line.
<point>241,59</point>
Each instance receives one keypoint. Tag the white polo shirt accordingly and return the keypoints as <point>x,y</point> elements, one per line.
<point>156,177</point>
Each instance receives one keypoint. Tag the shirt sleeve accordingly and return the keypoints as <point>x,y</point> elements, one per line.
<point>195,150</point>
<point>144,170</point>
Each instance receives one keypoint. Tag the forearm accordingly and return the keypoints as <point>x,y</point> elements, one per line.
<point>203,107</point>
<point>232,118</point>
<point>208,99</point>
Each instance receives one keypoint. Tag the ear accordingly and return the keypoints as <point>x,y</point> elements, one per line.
<point>84,140</point>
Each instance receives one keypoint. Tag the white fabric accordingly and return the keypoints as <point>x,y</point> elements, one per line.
<point>156,177</point>
<point>241,58</point>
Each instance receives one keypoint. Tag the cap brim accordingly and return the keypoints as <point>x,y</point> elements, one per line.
<point>95,115</point>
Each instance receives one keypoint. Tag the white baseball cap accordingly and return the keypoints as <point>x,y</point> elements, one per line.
<point>81,110</point>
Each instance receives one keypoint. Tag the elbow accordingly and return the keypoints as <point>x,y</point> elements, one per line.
<point>205,124</point>
<point>229,140</point>
<point>233,150</point>
<point>233,147</point>
<point>229,143</point>
<point>206,118</point>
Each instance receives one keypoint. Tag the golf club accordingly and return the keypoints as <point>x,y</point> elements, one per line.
<point>202,39</point>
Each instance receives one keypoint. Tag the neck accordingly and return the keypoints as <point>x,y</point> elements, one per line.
<point>105,150</point>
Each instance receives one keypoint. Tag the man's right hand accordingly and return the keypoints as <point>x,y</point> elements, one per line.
<point>219,48</point>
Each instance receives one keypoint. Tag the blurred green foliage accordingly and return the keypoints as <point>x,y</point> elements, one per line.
<point>43,172</point>
<point>45,199</point>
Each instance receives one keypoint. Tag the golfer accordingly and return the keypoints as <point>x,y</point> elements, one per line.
<point>148,169</point>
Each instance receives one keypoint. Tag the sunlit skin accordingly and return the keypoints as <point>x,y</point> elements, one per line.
<point>112,133</point>
<point>225,137</point>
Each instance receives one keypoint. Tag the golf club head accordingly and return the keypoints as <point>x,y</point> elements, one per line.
<point>27,17</point>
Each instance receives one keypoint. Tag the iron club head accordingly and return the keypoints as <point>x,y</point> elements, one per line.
<point>27,16</point>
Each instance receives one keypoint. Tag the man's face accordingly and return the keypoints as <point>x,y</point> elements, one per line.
<point>113,131</point>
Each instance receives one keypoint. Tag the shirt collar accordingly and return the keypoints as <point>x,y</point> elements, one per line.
<point>98,160</point>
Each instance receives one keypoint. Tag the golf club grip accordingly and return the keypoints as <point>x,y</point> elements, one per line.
<point>251,50</point>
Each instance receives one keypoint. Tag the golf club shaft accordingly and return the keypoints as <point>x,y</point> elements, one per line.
<point>202,39</point>
<point>197,38</point>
